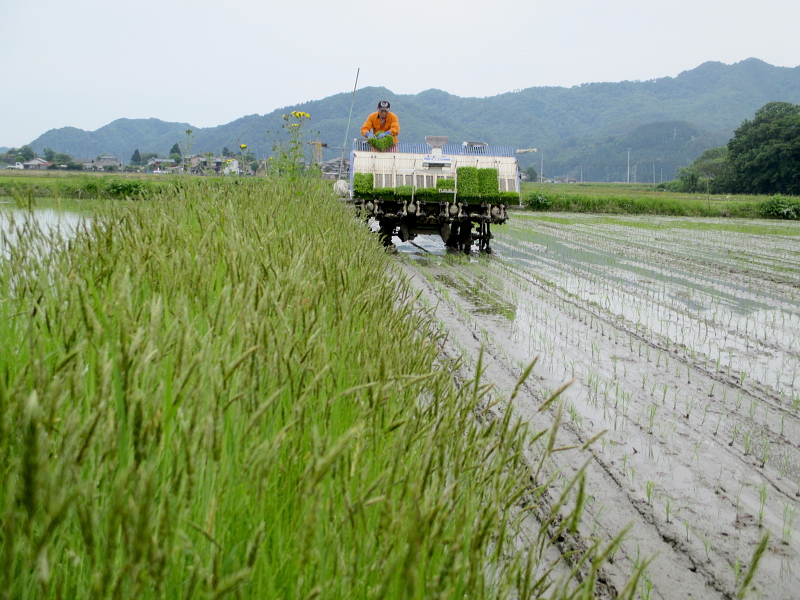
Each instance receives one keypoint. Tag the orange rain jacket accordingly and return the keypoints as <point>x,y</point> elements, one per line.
<point>373,123</point>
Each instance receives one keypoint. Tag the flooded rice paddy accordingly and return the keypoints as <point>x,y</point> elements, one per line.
<point>16,222</point>
<point>682,337</point>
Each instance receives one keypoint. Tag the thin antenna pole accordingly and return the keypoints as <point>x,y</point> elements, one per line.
<point>347,132</point>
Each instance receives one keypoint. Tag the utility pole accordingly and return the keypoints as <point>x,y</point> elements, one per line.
<point>629,165</point>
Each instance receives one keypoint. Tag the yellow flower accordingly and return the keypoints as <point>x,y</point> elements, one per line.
<point>242,146</point>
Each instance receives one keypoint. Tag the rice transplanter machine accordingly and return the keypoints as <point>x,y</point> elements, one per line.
<point>456,191</point>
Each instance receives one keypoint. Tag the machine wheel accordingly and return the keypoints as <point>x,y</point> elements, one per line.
<point>454,238</point>
<point>466,242</point>
<point>460,237</point>
<point>386,231</point>
<point>465,237</point>
<point>484,236</point>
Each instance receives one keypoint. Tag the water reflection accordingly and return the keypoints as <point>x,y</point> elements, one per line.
<point>50,222</point>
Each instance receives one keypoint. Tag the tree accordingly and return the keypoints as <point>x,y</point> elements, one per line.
<point>711,171</point>
<point>532,174</point>
<point>764,153</point>
<point>62,158</point>
<point>175,150</point>
<point>49,155</point>
<point>25,153</point>
<point>136,158</point>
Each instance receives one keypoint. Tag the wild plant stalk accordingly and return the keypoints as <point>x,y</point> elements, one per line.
<point>747,578</point>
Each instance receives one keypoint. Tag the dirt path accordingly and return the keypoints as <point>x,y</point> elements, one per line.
<point>685,352</point>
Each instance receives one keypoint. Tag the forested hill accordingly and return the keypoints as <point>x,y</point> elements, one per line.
<point>665,122</point>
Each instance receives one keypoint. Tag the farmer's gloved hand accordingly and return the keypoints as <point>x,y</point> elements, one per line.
<point>383,134</point>
<point>370,135</point>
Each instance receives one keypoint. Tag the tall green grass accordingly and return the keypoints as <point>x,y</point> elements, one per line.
<point>228,391</point>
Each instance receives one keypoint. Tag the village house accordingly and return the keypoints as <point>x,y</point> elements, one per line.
<point>86,163</point>
<point>36,164</point>
<point>161,164</point>
<point>101,163</point>
<point>107,160</point>
<point>332,167</point>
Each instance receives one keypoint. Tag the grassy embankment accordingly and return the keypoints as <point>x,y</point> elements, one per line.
<point>222,391</point>
<point>641,199</point>
<point>27,186</point>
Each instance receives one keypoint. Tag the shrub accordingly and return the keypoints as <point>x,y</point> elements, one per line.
<point>446,184</point>
<point>122,188</point>
<point>538,201</point>
<point>90,187</point>
<point>779,207</point>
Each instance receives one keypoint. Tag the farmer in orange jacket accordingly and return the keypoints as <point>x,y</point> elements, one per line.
<point>381,123</point>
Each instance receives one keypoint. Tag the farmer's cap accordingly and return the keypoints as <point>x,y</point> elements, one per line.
<point>383,105</point>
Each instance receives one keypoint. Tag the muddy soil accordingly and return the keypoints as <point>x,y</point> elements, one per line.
<point>683,340</point>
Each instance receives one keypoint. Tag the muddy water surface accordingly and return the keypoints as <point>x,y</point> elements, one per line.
<point>683,340</point>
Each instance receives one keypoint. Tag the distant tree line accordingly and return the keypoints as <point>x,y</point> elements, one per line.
<point>58,160</point>
<point>22,154</point>
<point>762,157</point>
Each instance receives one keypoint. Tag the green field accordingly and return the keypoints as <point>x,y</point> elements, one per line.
<point>616,198</point>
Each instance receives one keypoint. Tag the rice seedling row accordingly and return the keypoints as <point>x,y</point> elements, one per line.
<point>682,339</point>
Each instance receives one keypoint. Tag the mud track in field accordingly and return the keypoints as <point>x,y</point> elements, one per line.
<point>684,343</point>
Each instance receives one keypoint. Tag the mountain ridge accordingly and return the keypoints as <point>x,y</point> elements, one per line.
<point>713,97</point>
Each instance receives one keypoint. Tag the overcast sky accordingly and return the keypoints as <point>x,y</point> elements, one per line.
<point>85,63</point>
